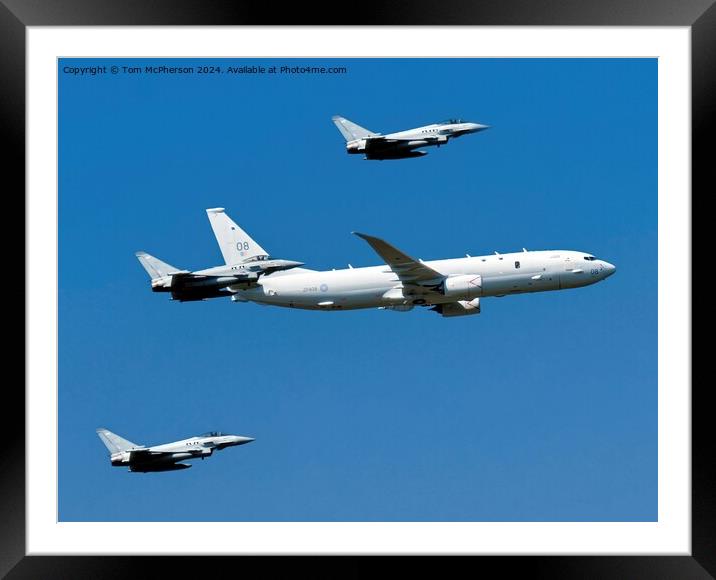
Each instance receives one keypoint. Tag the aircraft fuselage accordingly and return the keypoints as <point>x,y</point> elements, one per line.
<point>403,144</point>
<point>378,286</point>
<point>165,457</point>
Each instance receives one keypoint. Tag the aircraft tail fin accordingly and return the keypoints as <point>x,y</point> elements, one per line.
<point>113,442</point>
<point>155,267</point>
<point>350,130</point>
<point>235,244</point>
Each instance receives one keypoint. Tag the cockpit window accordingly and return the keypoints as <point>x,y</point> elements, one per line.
<point>212,434</point>
<point>589,258</point>
<point>452,122</point>
<point>258,258</point>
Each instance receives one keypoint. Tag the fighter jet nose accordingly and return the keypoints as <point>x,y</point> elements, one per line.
<point>288,264</point>
<point>609,269</point>
<point>243,440</point>
<point>477,127</point>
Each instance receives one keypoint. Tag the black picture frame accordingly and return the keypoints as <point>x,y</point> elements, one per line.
<point>16,15</point>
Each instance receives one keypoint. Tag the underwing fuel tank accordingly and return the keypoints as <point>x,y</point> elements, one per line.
<point>140,468</point>
<point>396,155</point>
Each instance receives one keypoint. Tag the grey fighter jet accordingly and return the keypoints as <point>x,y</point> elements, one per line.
<point>246,262</point>
<point>403,144</point>
<point>166,457</point>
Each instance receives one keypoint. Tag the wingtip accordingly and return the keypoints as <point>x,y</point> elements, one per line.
<point>215,210</point>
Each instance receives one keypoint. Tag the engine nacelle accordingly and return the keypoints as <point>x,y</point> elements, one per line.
<point>399,307</point>
<point>464,287</point>
<point>459,308</point>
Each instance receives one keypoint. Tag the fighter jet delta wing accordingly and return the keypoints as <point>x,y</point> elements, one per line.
<point>408,270</point>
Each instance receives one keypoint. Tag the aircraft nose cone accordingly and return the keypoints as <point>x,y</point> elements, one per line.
<point>244,440</point>
<point>475,127</point>
<point>609,269</point>
<point>288,264</point>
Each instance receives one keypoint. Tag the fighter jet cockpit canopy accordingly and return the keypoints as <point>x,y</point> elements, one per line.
<point>452,122</point>
<point>213,434</point>
<point>590,258</point>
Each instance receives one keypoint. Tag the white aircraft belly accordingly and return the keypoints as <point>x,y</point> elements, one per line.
<point>339,289</point>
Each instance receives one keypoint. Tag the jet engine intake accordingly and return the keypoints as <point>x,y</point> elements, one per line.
<point>463,287</point>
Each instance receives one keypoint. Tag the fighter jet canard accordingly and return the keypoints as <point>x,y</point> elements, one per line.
<point>403,144</point>
<point>451,287</point>
<point>245,262</point>
<point>166,457</point>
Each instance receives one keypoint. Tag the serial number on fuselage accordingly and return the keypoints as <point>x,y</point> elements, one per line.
<point>310,289</point>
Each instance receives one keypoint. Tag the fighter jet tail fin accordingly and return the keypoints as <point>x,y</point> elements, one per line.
<point>235,244</point>
<point>155,267</point>
<point>113,442</point>
<point>350,130</point>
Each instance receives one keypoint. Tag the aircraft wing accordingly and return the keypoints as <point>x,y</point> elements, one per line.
<point>408,270</point>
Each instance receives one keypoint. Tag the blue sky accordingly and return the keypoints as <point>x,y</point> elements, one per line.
<point>542,408</point>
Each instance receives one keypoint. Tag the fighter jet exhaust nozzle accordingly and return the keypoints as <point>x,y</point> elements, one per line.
<point>355,147</point>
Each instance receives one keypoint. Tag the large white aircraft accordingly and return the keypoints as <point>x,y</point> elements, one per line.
<point>452,287</point>
<point>402,144</point>
<point>165,457</point>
